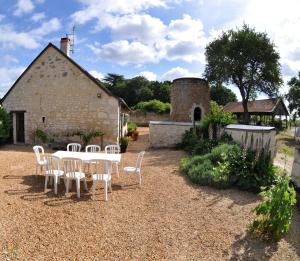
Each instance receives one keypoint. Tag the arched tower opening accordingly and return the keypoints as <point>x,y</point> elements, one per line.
<point>197,114</point>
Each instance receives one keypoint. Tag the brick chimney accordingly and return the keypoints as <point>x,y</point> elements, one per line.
<point>65,45</point>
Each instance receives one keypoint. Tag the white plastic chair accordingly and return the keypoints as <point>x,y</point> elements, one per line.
<point>76,147</point>
<point>73,171</point>
<point>40,160</point>
<point>92,148</point>
<point>114,149</point>
<point>104,175</point>
<point>53,170</point>
<point>137,169</point>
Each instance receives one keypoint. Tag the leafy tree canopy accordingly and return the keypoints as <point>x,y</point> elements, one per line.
<point>248,60</point>
<point>293,96</point>
<point>222,95</point>
<point>137,89</point>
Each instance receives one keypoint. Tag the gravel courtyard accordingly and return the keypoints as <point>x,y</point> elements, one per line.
<point>167,219</point>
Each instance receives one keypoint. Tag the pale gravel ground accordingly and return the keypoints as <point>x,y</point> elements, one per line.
<point>167,219</point>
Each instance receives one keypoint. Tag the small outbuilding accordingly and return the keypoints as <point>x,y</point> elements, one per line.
<point>56,95</point>
<point>262,112</point>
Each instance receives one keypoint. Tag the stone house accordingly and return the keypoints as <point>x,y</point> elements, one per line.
<point>58,96</point>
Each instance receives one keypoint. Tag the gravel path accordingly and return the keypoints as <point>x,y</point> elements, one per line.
<point>167,219</point>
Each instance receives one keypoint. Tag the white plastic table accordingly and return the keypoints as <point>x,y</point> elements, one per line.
<point>86,156</point>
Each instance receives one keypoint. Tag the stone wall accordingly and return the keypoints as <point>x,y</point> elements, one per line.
<point>254,137</point>
<point>167,134</point>
<point>186,95</point>
<point>296,167</point>
<point>56,89</point>
<point>143,118</point>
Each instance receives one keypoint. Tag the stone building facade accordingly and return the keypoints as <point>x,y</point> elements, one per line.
<point>58,96</point>
<point>190,99</point>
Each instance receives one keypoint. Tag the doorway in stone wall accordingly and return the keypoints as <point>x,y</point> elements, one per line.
<point>197,114</point>
<point>20,127</point>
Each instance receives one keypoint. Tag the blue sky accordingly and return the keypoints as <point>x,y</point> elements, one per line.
<point>159,39</point>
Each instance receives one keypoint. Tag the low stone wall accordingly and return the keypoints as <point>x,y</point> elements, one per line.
<point>166,134</point>
<point>296,167</point>
<point>254,137</point>
<point>143,118</point>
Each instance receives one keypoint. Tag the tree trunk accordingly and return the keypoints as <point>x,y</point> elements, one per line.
<point>246,113</point>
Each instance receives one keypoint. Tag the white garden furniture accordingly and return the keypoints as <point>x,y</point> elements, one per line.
<point>137,169</point>
<point>92,148</point>
<point>114,149</point>
<point>73,147</point>
<point>87,156</point>
<point>53,170</point>
<point>104,175</point>
<point>73,171</point>
<point>40,160</point>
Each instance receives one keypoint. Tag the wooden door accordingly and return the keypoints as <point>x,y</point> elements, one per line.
<point>20,130</point>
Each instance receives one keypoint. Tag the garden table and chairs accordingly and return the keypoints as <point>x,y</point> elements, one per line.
<point>70,166</point>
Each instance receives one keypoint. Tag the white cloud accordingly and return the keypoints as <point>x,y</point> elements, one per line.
<point>146,39</point>
<point>151,76</point>
<point>123,52</point>
<point>177,72</point>
<point>38,17</point>
<point>93,9</point>
<point>9,59</point>
<point>10,38</point>
<point>143,28</point>
<point>30,39</point>
<point>8,76</point>
<point>2,17</point>
<point>96,74</point>
<point>47,27</point>
<point>23,7</point>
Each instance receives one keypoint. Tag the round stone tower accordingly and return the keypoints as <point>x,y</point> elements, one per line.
<point>190,99</point>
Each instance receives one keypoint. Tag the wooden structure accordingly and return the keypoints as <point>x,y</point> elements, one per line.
<point>262,112</point>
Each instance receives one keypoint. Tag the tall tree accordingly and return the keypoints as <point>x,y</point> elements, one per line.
<point>247,59</point>
<point>293,96</point>
<point>113,79</point>
<point>222,95</point>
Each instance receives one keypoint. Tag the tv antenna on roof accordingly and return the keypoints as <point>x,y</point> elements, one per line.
<point>71,36</point>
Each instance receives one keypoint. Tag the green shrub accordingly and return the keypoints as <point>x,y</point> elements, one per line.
<point>213,168</point>
<point>182,164</point>
<point>201,173</point>
<point>152,106</point>
<point>225,152</point>
<point>189,139</point>
<point>254,172</point>
<point>275,213</point>
<point>221,175</point>
<point>131,126</point>
<point>43,136</point>
<point>216,118</point>
<point>5,125</point>
<point>204,146</point>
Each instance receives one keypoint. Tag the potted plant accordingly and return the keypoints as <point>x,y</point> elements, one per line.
<point>87,136</point>
<point>135,135</point>
<point>131,126</point>
<point>124,143</point>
